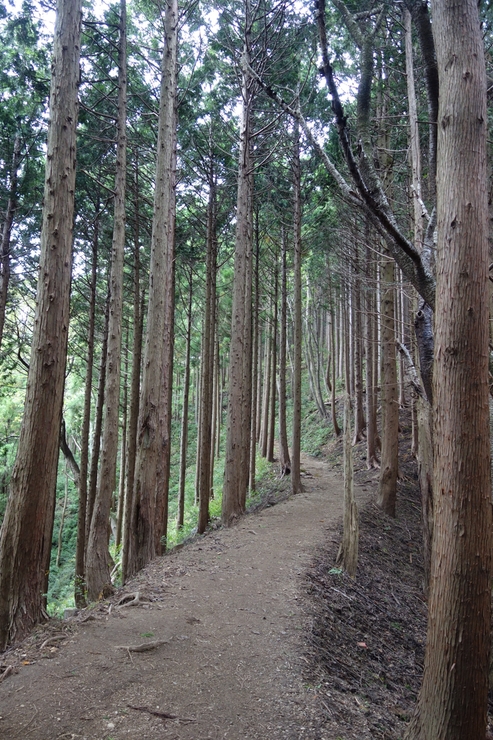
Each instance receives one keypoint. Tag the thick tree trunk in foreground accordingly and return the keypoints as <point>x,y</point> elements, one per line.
<point>453,700</point>
<point>25,541</point>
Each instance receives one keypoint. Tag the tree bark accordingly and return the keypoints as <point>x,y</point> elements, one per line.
<point>453,699</point>
<point>296,486</point>
<point>184,420</point>
<point>207,375</point>
<point>149,482</point>
<point>98,561</point>
<point>7,233</point>
<point>25,540</point>
<point>387,487</point>
<point>237,457</point>
<point>284,457</point>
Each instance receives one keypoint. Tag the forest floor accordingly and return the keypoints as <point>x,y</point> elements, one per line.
<point>247,632</point>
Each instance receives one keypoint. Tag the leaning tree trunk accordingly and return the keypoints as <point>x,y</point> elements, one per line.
<point>25,541</point>
<point>98,561</point>
<point>452,704</point>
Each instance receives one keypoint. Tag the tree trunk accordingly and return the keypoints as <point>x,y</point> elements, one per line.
<point>237,456</point>
<point>25,540</point>
<point>359,417</point>
<point>255,364</point>
<point>98,561</point>
<point>128,543</point>
<point>79,585</point>
<point>273,377</point>
<point>207,375</point>
<point>453,699</point>
<point>296,486</point>
<point>347,556</point>
<point>387,488</point>
<point>184,420</point>
<point>149,482</point>
<point>284,458</point>
<point>370,342</point>
<point>7,233</point>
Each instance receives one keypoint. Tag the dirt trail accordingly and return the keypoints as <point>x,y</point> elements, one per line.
<point>230,609</point>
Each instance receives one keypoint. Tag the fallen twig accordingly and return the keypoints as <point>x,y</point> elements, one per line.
<point>143,647</point>
<point>161,715</point>
<point>7,672</point>
<point>52,640</point>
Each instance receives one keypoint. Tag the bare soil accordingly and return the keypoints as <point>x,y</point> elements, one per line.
<point>251,633</point>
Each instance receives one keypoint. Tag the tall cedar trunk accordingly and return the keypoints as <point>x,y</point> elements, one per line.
<point>7,233</point>
<point>296,445</point>
<point>207,376</point>
<point>98,561</point>
<point>387,487</point>
<point>236,466</point>
<point>150,461</point>
<point>333,356</point>
<point>422,408</point>
<point>359,417</point>
<point>123,448</point>
<point>453,699</point>
<point>255,363</point>
<point>348,550</point>
<point>284,457</point>
<point>273,377</point>
<point>98,425</point>
<point>266,394</point>
<point>79,585</point>
<point>162,490</point>
<point>138,330</point>
<point>25,540</point>
<point>370,344</point>
<point>184,419</point>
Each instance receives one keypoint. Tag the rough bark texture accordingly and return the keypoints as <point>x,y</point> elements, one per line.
<point>207,377</point>
<point>138,331</point>
<point>98,561</point>
<point>79,586</point>
<point>347,556</point>
<point>25,540</point>
<point>296,445</point>
<point>184,418</point>
<point>146,521</point>
<point>7,232</point>
<point>453,700</point>
<point>284,457</point>
<point>237,457</point>
<point>387,489</point>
